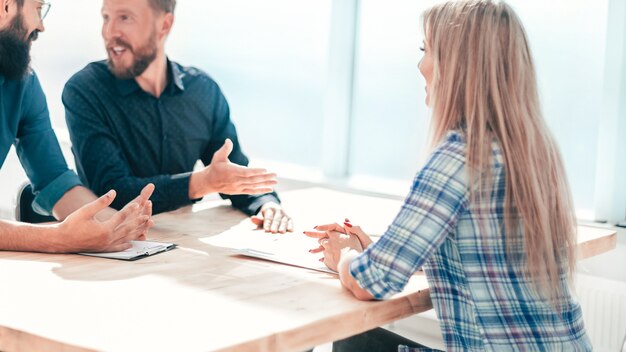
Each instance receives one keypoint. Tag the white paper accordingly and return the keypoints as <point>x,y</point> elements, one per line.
<point>139,249</point>
<point>287,248</point>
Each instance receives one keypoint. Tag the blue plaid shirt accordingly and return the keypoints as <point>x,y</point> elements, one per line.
<point>483,301</point>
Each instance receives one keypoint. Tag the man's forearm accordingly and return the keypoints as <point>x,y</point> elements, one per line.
<point>17,236</point>
<point>197,186</point>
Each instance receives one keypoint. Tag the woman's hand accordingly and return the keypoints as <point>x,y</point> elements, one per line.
<point>348,228</point>
<point>335,240</point>
<point>341,245</point>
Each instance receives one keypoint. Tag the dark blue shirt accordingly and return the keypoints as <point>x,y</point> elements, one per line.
<point>123,138</point>
<point>25,123</point>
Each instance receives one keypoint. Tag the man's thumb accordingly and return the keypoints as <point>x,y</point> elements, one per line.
<point>223,153</point>
<point>91,209</point>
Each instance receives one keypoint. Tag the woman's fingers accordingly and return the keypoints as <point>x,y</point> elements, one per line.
<point>331,227</point>
<point>323,241</point>
<point>316,234</point>
<point>316,250</point>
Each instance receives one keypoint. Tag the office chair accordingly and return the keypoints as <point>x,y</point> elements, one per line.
<point>24,211</point>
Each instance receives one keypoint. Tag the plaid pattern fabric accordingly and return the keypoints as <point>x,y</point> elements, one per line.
<point>483,300</point>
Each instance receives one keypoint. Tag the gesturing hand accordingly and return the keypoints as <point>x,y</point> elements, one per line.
<point>82,232</point>
<point>225,177</point>
<point>272,218</point>
<point>145,209</point>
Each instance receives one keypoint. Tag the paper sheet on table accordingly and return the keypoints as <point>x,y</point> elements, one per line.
<point>289,248</point>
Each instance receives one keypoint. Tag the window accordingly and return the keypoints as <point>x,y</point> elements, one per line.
<point>578,63</point>
<point>269,58</point>
<point>390,118</point>
<point>333,86</point>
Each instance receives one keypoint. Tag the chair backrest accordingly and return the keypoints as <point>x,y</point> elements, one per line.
<point>24,211</point>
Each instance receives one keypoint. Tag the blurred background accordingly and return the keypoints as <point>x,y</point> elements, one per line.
<point>329,90</point>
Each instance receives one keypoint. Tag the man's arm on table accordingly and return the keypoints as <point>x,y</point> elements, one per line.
<point>91,228</point>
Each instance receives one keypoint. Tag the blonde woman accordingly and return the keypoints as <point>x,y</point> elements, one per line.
<point>490,216</point>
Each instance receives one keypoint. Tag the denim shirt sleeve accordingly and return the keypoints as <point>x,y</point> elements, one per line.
<point>39,151</point>
<point>46,199</point>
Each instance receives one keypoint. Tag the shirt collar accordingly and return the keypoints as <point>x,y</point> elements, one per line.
<point>176,75</point>
<point>129,86</point>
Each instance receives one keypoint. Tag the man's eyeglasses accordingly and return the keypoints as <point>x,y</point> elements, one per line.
<point>45,8</point>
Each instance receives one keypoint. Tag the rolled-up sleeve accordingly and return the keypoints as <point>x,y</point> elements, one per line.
<point>50,195</point>
<point>39,151</point>
<point>430,212</point>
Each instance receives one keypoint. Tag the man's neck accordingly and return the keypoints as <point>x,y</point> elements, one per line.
<point>154,78</point>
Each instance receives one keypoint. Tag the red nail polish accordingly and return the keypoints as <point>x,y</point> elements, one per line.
<point>346,220</point>
<point>347,224</point>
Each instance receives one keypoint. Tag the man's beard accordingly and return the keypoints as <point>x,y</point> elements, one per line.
<point>142,58</point>
<point>15,49</point>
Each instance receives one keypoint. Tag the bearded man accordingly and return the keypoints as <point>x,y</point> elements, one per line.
<point>87,224</point>
<point>140,118</point>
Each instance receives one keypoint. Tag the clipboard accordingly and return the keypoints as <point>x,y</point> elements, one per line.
<point>139,249</point>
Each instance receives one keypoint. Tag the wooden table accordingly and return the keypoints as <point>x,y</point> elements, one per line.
<point>199,297</point>
<point>593,241</point>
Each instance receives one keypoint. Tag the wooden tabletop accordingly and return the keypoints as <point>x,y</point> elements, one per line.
<point>200,297</point>
<point>593,241</point>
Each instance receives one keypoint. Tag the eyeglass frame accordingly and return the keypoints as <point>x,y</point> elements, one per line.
<point>45,9</point>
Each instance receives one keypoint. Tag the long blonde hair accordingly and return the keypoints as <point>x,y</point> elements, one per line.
<point>484,84</point>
